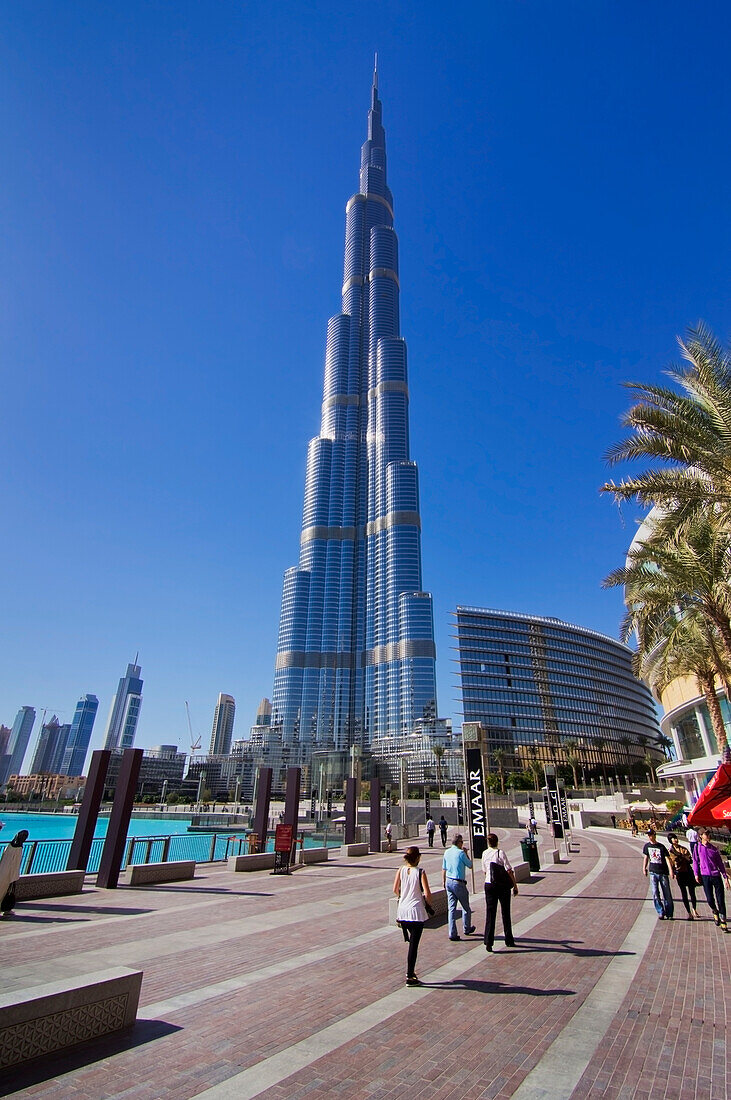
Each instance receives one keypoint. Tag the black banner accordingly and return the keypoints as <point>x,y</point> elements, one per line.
<point>329,803</point>
<point>388,803</point>
<point>460,807</point>
<point>476,801</point>
<point>531,808</point>
<point>427,804</point>
<point>555,805</point>
<point>313,804</point>
<point>564,807</point>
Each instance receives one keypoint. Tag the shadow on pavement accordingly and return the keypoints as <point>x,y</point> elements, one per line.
<point>85,1054</point>
<point>474,986</point>
<point>565,947</point>
<point>108,910</point>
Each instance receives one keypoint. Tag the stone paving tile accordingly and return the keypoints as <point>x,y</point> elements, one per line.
<point>445,1045</point>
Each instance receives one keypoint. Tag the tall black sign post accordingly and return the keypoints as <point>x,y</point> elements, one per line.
<point>388,804</point>
<point>427,804</point>
<point>86,822</point>
<point>476,793</point>
<point>460,807</point>
<point>553,800</point>
<point>313,804</point>
<point>329,803</point>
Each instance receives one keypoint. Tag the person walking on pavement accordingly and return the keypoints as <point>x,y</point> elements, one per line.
<point>682,862</point>
<point>411,887</point>
<point>389,834</point>
<point>692,837</point>
<point>656,864</point>
<point>443,830</point>
<point>10,862</point>
<point>500,885</point>
<point>709,870</point>
<point>454,879</point>
<point>430,830</point>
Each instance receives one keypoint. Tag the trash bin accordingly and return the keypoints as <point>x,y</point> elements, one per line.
<point>529,848</point>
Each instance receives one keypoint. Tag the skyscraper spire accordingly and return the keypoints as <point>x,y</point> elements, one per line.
<point>356,658</point>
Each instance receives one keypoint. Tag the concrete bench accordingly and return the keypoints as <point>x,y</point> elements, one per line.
<point>145,874</point>
<point>521,872</point>
<point>257,861</point>
<point>354,850</point>
<point>38,1020</point>
<point>439,903</point>
<point>56,884</point>
<point>312,855</point>
<point>553,855</point>
<point>394,845</point>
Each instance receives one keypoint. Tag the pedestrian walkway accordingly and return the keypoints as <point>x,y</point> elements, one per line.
<point>274,987</point>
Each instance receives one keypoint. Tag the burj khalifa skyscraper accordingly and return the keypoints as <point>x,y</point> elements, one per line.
<point>356,656</point>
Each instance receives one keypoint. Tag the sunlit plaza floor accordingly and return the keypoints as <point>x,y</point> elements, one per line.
<point>279,987</point>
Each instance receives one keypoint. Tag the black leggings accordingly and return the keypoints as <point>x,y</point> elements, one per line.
<point>686,882</point>
<point>713,884</point>
<point>412,930</point>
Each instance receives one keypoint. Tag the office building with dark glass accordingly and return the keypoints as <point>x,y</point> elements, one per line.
<point>356,658</point>
<point>542,688</point>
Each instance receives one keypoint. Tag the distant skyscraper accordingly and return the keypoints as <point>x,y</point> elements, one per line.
<point>125,711</point>
<point>72,761</point>
<point>49,747</point>
<point>356,657</point>
<point>18,742</point>
<point>264,713</point>
<point>223,725</point>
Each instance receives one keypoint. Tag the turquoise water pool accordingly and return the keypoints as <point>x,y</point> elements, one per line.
<point>61,826</point>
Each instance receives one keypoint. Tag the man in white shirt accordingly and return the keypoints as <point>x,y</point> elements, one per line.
<point>500,884</point>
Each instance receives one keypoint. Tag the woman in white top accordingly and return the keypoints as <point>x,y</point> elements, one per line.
<point>411,887</point>
<point>500,884</point>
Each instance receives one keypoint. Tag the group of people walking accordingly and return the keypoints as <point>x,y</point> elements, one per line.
<point>411,886</point>
<point>701,864</point>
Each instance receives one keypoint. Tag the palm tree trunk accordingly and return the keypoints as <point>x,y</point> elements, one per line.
<point>714,709</point>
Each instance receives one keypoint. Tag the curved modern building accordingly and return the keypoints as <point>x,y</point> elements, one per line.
<point>536,683</point>
<point>356,657</point>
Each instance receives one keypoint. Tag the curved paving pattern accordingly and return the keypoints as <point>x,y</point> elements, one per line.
<point>289,988</point>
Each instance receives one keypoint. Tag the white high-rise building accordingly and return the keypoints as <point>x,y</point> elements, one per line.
<point>223,725</point>
<point>125,710</point>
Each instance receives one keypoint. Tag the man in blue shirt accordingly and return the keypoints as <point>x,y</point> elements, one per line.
<point>454,879</point>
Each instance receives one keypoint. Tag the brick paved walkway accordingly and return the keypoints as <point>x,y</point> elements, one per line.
<point>293,987</point>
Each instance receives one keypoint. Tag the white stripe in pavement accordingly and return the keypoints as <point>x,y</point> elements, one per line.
<point>272,1071</point>
<point>562,1066</point>
<point>204,993</point>
<point>88,923</point>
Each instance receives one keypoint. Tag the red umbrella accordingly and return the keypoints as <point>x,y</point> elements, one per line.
<point>714,805</point>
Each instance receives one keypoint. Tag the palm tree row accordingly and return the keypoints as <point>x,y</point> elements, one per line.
<point>677,580</point>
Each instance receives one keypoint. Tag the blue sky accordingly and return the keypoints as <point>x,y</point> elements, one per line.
<point>174,184</point>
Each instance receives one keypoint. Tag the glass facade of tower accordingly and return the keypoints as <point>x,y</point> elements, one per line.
<point>80,736</point>
<point>536,684</point>
<point>356,656</point>
<point>125,710</point>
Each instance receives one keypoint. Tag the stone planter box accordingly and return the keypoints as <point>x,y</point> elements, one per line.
<point>146,874</point>
<point>55,884</point>
<point>41,1019</point>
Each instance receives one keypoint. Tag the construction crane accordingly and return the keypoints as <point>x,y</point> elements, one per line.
<point>195,743</point>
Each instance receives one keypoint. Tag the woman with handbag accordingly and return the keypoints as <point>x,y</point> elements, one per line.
<point>500,885</point>
<point>411,887</point>
<point>10,862</point>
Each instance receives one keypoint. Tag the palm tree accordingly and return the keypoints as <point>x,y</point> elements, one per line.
<point>438,751</point>
<point>649,763</point>
<point>690,430</point>
<point>686,649</point>
<point>601,744</point>
<point>500,756</point>
<point>570,751</point>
